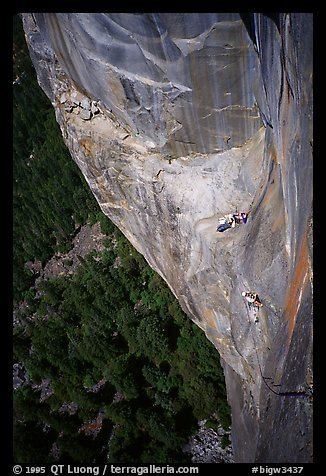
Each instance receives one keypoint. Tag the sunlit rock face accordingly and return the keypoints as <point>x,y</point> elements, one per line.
<point>179,119</point>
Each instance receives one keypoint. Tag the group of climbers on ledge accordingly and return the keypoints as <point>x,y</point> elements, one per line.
<point>231,220</point>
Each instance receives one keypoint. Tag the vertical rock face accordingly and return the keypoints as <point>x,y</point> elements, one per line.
<point>175,120</point>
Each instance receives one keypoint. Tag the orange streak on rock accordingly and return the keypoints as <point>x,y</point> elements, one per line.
<point>210,319</point>
<point>87,145</point>
<point>296,288</point>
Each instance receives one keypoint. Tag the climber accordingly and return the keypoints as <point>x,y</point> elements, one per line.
<point>254,303</point>
<point>252,299</point>
<point>240,217</point>
<point>226,222</point>
<point>230,219</point>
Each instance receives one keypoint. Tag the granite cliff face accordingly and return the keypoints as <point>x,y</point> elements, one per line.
<point>175,120</point>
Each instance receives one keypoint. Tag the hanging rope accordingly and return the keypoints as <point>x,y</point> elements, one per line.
<point>271,309</point>
<point>279,394</point>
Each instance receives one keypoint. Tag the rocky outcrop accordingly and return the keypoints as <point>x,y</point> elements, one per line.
<point>200,114</point>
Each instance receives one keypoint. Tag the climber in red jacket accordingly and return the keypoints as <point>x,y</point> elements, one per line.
<point>240,217</point>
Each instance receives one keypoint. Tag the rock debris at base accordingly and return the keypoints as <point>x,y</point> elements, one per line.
<point>88,239</point>
<point>206,445</point>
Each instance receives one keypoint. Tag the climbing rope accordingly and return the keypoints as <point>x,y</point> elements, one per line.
<point>272,310</point>
<point>279,394</point>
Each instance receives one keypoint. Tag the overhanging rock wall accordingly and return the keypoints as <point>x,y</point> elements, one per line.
<point>183,118</point>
